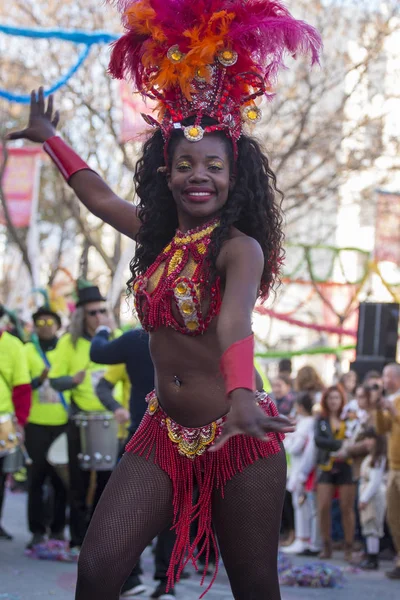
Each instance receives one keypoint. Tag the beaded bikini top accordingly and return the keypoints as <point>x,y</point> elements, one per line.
<point>178,277</point>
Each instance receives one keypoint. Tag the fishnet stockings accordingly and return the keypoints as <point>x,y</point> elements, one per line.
<point>137,504</point>
<point>247,522</point>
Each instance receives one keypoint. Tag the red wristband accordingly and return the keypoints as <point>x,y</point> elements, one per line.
<point>237,365</point>
<point>66,160</point>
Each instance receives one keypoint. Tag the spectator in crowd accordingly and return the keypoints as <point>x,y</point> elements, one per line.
<point>333,471</point>
<point>372,378</point>
<point>388,421</point>
<point>296,444</point>
<point>391,381</point>
<point>357,447</point>
<point>371,502</point>
<point>308,380</point>
<point>285,368</point>
<point>282,395</point>
<point>373,381</point>
<point>348,381</point>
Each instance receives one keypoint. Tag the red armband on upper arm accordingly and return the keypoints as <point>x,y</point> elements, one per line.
<point>237,365</point>
<point>22,397</point>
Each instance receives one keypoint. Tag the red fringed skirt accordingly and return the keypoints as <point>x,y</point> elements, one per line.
<point>182,453</point>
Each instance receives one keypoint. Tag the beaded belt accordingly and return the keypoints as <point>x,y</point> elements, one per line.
<point>192,441</point>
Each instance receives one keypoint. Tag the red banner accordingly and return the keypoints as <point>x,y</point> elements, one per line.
<point>19,184</point>
<point>133,125</point>
<point>387,230</point>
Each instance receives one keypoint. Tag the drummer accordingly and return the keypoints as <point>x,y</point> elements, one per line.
<point>73,370</point>
<point>47,420</point>
<point>15,390</point>
<point>114,391</point>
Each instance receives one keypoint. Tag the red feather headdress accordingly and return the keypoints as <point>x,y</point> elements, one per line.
<point>207,58</point>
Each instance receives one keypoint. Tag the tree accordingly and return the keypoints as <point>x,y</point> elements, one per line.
<point>331,123</point>
<point>90,108</point>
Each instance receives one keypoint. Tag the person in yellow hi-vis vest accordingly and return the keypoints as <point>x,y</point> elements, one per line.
<point>47,420</point>
<point>15,392</point>
<point>73,370</point>
<point>261,371</point>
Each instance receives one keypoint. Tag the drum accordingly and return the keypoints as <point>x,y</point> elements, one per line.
<point>8,434</point>
<point>99,441</point>
<point>57,457</point>
<point>14,461</point>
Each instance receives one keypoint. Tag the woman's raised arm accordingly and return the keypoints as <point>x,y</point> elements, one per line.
<point>89,187</point>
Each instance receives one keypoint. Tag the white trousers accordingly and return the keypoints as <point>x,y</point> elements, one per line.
<point>306,519</point>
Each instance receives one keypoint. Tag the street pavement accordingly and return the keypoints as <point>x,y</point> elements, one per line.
<point>22,578</point>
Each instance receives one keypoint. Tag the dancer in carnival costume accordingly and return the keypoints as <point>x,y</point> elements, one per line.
<point>209,234</point>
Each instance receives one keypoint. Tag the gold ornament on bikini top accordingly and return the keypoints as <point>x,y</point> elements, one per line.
<point>179,274</point>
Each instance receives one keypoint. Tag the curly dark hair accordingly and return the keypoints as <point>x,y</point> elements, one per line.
<point>251,206</point>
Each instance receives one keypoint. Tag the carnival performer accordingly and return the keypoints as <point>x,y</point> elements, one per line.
<point>47,420</point>
<point>209,234</point>
<point>15,396</point>
<point>73,371</point>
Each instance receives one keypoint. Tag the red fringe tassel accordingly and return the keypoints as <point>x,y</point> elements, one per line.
<point>210,471</point>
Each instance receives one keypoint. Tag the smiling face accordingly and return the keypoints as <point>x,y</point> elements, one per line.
<point>362,398</point>
<point>280,388</point>
<point>391,378</point>
<point>350,381</point>
<point>200,179</point>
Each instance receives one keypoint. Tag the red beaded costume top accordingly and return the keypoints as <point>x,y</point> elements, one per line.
<point>175,284</point>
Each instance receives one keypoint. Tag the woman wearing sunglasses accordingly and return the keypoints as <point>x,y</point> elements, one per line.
<point>73,371</point>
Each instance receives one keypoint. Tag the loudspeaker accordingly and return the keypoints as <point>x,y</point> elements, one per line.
<point>377,334</point>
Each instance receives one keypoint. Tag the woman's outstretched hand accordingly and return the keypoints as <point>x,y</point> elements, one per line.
<point>42,120</point>
<point>247,418</point>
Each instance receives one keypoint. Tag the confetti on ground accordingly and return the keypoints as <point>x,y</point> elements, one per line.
<point>313,575</point>
<point>284,563</point>
<point>52,550</point>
